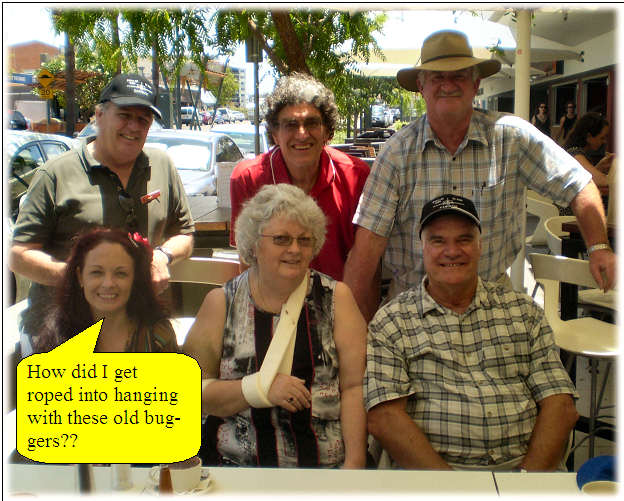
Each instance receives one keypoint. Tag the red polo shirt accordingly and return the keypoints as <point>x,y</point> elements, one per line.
<point>337,192</point>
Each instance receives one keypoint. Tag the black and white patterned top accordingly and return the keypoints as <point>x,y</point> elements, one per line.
<point>274,436</point>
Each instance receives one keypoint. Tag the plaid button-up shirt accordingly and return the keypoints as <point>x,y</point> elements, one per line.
<point>500,155</point>
<point>473,379</point>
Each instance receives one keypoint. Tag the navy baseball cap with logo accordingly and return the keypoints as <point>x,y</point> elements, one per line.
<point>448,204</point>
<point>129,89</point>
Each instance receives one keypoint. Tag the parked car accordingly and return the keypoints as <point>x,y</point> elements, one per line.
<point>91,129</point>
<point>19,121</point>
<point>186,114</point>
<point>224,115</point>
<point>196,155</point>
<point>25,151</point>
<point>244,136</point>
<point>238,116</point>
<point>380,116</point>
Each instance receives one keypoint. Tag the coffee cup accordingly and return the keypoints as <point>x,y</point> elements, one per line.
<point>600,487</point>
<point>185,475</point>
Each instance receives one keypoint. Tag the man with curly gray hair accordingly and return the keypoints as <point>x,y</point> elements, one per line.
<point>302,117</point>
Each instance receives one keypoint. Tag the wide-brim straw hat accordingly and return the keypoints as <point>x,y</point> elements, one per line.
<point>446,51</point>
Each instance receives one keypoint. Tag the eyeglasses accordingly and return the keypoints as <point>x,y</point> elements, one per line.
<point>287,240</point>
<point>127,204</point>
<point>311,124</point>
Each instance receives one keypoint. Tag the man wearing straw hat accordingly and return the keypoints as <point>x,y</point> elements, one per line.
<point>488,157</point>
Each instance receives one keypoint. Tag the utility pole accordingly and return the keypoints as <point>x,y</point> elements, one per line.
<point>254,55</point>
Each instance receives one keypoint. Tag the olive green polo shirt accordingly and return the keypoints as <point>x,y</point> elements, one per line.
<point>73,192</point>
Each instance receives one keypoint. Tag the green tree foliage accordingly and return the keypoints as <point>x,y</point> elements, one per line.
<point>320,42</point>
<point>172,36</point>
<point>110,41</point>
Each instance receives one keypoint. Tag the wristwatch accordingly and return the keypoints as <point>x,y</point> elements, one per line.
<point>167,253</point>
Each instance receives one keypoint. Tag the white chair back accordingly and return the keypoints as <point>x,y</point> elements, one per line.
<point>544,209</point>
<point>554,232</point>
<point>586,336</point>
<point>204,270</point>
<point>199,270</point>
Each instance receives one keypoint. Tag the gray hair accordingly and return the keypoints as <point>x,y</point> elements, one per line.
<point>273,200</point>
<point>298,88</point>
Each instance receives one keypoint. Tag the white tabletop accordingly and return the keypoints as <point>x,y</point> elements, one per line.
<point>53,479</point>
<point>57,479</point>
<point>275,480</point>
<point>537,483</point>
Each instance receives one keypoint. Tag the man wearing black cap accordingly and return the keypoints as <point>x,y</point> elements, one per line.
<point>463,373</point>
<point>111,181</point>
<point>489,157</point>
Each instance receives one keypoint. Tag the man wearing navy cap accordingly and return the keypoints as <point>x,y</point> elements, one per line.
<point>463,373</point>
<point>109,180</point>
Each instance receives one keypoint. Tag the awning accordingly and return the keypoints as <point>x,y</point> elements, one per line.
<point>540,55</point>
<point>396,59</point>
<point>207,97</point>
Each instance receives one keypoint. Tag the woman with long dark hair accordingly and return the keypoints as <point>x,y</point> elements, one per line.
<point>588,136</point>
<point>108,276</point>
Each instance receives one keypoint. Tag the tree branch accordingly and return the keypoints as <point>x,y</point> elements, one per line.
<point>279,64</point>
<point>295,55</point>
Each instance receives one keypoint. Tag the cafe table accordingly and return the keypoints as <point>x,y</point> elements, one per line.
<point>57,479</point>
<point>212,223</point>
<point>517,483</point>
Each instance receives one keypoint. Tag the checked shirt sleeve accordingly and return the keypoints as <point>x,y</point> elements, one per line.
<point>387,376</point>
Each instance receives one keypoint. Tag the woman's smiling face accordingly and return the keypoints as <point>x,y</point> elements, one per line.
<point>106,279</point>
<point>284,261</point>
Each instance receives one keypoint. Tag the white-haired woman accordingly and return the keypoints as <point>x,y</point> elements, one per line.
<point>282,347</point>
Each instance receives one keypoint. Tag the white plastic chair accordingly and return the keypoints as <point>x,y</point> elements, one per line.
<point>199,270</point>
<point>544,209</point>
<point>554,232</point>
<point>587,298</point>
<point>588,337</point>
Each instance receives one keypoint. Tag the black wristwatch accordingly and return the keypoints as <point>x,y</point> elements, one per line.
<point>167,253</point>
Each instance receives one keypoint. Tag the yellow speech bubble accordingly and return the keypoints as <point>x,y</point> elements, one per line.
<point>76,406</point>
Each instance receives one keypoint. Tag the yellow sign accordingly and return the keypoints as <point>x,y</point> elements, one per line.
<point>77,406</point>
<point>45,78</point>
<point>45,93</point>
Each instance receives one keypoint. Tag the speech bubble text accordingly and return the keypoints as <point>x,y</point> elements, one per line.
<point>77,406</point>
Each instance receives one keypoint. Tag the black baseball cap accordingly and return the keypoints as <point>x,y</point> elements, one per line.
<point>448,204</point>
<point>130,89</point>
